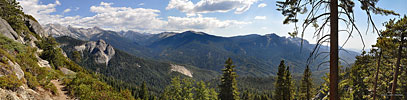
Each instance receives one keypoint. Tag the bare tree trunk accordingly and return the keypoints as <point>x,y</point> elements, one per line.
<point>396,70</point>
<point>377,75</point>
<point>333,76</point>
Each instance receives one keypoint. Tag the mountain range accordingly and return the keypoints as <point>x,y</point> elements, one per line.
<point>255,55</point>
<point>100,57</point>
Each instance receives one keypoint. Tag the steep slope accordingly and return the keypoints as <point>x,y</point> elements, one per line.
<point>126,67</point>
<point>33,67</point>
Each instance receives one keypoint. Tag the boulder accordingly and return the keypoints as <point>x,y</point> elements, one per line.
<point>8,31</point>
<point>16,69</point>
<point>43,63</point>
<point>66,71</point>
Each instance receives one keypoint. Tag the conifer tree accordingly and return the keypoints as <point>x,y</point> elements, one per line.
<point>288,87</point>
<point>228,86</point>
<point>213,95</point>
<point>279,85</point>
<point>357,75</point>
<point>202,93</point>
<point>187,89</point>
<point>306,90</point>
<point>397,31</point>
<point>325,14</point>
<point>144,92</point>
<point>174,90</point>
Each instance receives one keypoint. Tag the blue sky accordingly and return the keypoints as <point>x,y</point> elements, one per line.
<point>216,17</point>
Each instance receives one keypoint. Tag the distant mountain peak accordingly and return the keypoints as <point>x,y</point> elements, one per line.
<point>272,35</point>
<point>194,32</point>
<point>166,34</point>
<point>58,30</point>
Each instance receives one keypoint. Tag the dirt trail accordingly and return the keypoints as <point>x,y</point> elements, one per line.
<point>60,90</point>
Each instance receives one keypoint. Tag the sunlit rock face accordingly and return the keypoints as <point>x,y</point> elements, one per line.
<point>8,31</point>
<point>181,69</point>
<point>102,51</point>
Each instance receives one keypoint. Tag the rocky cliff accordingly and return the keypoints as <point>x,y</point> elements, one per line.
<point>101,51</point>
<point>8,31</point>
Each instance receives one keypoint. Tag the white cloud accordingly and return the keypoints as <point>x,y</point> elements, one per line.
<point>57,2</point>
<point>200,23</point>
<point>125,18</point>
<point>67,10</point>
<point>207,6</point>
<point>141,4</point>
<point>105,3</point>
<point>40,11</point>
<point>262,5</point>
<point>260,17</point>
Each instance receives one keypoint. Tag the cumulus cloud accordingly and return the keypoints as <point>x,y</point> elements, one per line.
<point>41,12</point>
<point>262,5</point>
<point>260,17</point>
<point>67,10</point>
<point>124,18</point>
<point>200,23</point>
<point>208,6</point>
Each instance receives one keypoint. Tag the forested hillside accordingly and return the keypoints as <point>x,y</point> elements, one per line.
<point>131,69</point>
<point>256,55</point>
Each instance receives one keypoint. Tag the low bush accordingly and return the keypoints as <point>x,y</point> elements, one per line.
<point>10,82</point>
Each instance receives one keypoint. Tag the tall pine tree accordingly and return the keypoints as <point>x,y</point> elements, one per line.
<point>306,90</point>
<point>279,85</point>
<point>288,85</point>
<point>228,86</point>
<point>143,93</point>
<point>202,93</point>
<point>173,91</point>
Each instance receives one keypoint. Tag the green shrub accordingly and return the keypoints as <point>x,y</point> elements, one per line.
<point>31,80</point>
<point>86,86</point>
<point>10,82</point>
<point>51,87</point>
